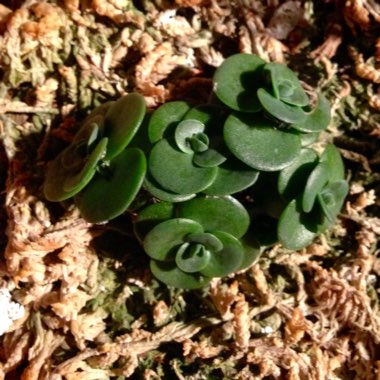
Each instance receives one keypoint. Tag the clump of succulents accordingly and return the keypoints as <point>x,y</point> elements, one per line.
<point>254,141</point>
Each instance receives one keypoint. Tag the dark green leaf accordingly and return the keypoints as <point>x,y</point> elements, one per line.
<point>257,143</point>
<point>164,118</point>
<point>292,179</point>
<point>170,274</point>
<point>236,81</point>
<point>122,121</point>
<point>192,257</point>
<point>208,158</point>
<point>161,241</point>
<point>185,130</point>
<point>284,112</point>
<point>334,162</point>
<point>293,227</point>
<point>175,170</point>
<point>210,241</point>
<point>318,119</point>
<point>108,196</point>
<point>227,260</point>
<point>217,214</point>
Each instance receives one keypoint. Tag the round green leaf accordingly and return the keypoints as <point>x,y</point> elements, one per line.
<point>314,184</point>
<point>170,274</point>
<point>252,250</point>
<point>122,121</point>
<point>284,112</point>
<point>211,115</point>
<point>233,176</point>
<point>165,118</point>
<point>185,130</point>
<point>151,216</point>
<point>257,143</point>
<point>158,192</point>
<point>210,241</point>
<point>292,179</point>
<point>286,85</point>
<point>208,158</point>
<point>175,170</point>
<point>107,196</point>
<point>192,257</point>
<point>334,162</point>
<point>318,119</point>
<point>331,199</point>
<point>308,138</point>
<point>293,227</point>
<point>78,181</point>
<point>62,183</point>
<point>236,81</point>
<point>216,214</point>
<point>226,260</point>
<point>161,241</point>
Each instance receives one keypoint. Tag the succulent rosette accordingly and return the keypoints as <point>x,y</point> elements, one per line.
<point>97,167</point>
<point>272,117</point>
<point>191,242</point>
<point>189,155</point>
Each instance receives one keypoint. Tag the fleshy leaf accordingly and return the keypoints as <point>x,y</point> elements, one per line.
<point>192,258</point>
<point>211,115</point>
<point>170,274</point>
<point>284,112</point>
<point>233,176</point>
<point>158,192</point>
<point>314,184</point>
<point>292,179</point>
<point>165,118</point>
<point>257,143</point>
<point>210,241</point>
<point>331,199</point>
<point>108,196</point>
<point>122,121</point>
<point>252,250</point>
<point>185,130</point>
<point>294,227</point>
<point>163,238</point>
<point>208,159</point>
<point>318,119</point>
<point>217,214</point>
<point>236,81</point>
<point>226,260</point>
<point>175,170</point>
<point>334,162</point>
<point>286,85</point>
<point>151,216</point>
<point>62,183</point>
<point>78,181</point>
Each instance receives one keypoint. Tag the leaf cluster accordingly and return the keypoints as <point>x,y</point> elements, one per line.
<point>254,137</point>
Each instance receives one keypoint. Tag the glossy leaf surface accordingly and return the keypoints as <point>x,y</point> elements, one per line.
<point>236,82</point>
<point>233,176</point>
<point>108,196</point>
<point>332,198</point>
<point>315,183</point>
<point>217,214</point>
<point>170,274</point>
<point>284,112</point>
<point>286,85</point>
<point>160,242</point>
<point>122,121</point>
<point>292,179</point>
<point>293,227</point>
<point>334,162</point>
<point>175,170</point>
<point>255,141</point>
<point>226,260</point>
<point>318,119</point>
<point>165,118</point>
<point>191,258</point>
<point>185,130</point>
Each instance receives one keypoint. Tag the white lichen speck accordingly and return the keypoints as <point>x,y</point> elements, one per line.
<point>9,311</point>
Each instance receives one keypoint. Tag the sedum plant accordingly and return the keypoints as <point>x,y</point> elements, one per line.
<point>97,167</point>
<point>254,140</point>
<point>191,242</point>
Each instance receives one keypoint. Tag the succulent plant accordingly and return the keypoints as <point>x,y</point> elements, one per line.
<point>191,242</point>
<point>96,167</point>
<point>254,140</point>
